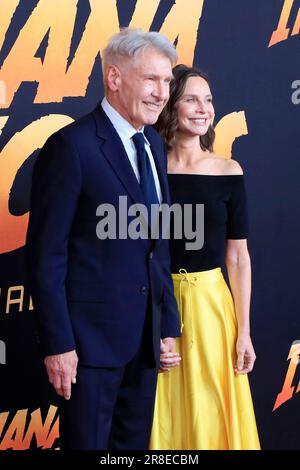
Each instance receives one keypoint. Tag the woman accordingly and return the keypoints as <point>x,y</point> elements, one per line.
<point>206,402</point>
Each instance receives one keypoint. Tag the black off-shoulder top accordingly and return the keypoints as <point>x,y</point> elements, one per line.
<point>225,217</point>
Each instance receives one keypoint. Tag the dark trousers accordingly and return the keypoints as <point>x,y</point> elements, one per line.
<point>110,408</point>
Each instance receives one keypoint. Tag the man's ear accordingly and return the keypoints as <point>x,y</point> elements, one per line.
<point>113,77</point>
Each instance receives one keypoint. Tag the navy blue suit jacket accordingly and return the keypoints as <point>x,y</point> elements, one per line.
<point>90,294</point>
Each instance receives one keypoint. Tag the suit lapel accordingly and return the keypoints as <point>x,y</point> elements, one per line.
<point>114,152</point>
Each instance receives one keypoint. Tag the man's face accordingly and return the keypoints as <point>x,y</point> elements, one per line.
<point>139,87</point>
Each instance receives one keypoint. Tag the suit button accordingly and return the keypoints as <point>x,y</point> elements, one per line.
<point>151,255</point>
<point>143,290</point>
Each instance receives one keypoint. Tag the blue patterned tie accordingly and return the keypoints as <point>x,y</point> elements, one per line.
<point>147,182</point>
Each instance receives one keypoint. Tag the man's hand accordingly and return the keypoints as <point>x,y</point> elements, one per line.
<point>169,358</point>
<point>62,369</point>
<point>245,354</point>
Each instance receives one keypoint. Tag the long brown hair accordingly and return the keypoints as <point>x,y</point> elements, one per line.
<point>167,123</point>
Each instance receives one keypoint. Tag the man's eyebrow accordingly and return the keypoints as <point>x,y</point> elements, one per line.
<point>154,75</point>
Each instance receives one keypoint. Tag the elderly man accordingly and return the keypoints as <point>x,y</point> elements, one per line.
<point>105,307</point>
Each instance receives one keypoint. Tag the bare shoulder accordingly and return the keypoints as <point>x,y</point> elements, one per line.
<point>233,167</point>
<point>227,166</point>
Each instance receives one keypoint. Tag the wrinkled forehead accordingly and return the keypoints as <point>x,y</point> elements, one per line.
<point>145,58</point>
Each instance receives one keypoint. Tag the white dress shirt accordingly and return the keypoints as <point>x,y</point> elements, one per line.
<point>126,131</point>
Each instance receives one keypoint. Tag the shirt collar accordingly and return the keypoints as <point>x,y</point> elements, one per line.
<point>125,130</point>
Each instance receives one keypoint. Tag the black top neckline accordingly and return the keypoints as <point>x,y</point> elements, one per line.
<point>200,174</point>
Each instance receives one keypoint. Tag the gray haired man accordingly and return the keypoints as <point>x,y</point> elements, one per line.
<point>105,307</point>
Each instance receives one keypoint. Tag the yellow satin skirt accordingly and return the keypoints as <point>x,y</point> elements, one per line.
<point>203,404</point>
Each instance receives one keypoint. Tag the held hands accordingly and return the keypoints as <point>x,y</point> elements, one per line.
<point>62,369</point>
<point>169,358</point>
<point>245,354</point>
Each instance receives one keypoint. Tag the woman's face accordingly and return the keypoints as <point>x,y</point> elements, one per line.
<point>194,108</point>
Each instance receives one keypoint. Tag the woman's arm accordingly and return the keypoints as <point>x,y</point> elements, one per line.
<point>239,272</point>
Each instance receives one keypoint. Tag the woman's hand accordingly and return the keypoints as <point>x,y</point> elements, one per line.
<point>169,358</point>
<point>245,354</point>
